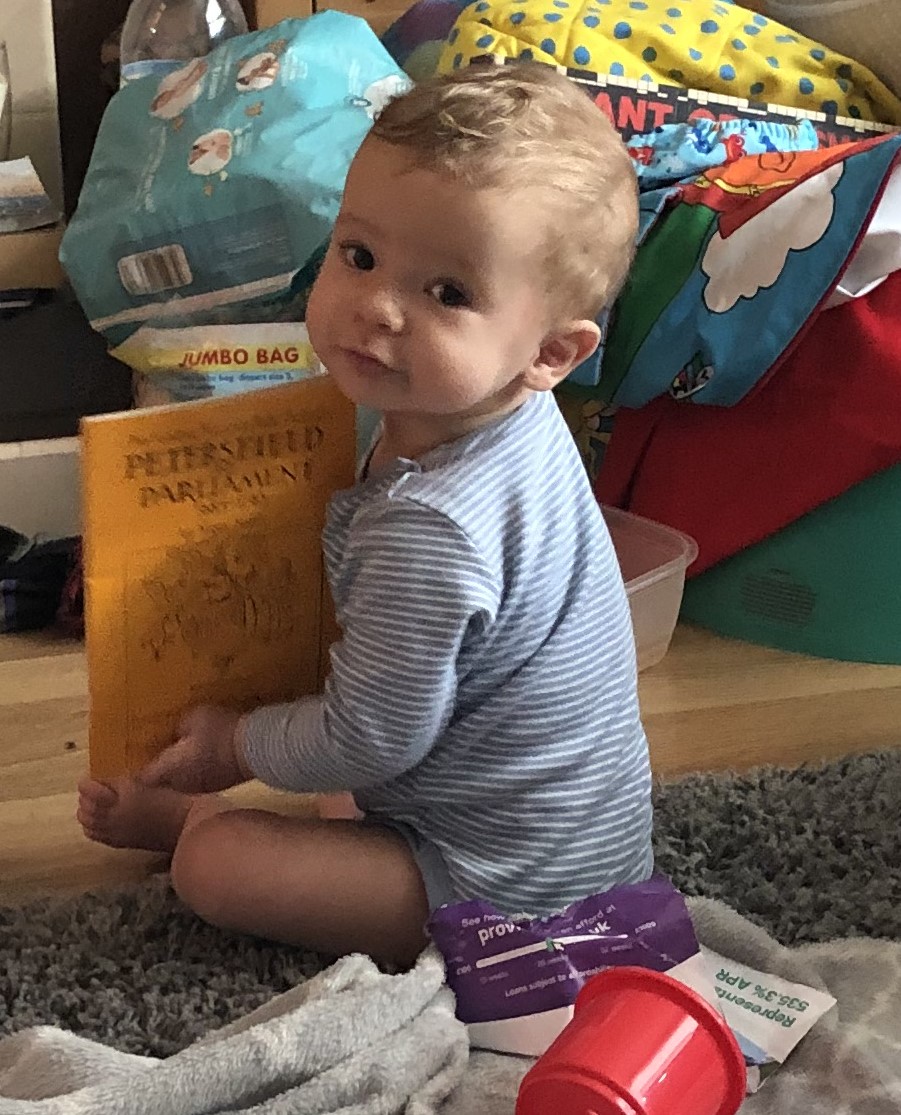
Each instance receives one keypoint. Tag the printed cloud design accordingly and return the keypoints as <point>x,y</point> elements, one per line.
<point>754,256</point>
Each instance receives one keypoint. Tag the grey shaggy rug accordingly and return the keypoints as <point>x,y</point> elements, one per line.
<point>809,855</point>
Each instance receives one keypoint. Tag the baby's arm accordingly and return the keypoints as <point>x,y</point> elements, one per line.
<point>413,592</point>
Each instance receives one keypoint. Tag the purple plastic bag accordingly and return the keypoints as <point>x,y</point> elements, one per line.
<point>516,979</point>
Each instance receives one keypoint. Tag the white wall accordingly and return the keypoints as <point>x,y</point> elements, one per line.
<point>40,486</point>
<point>27,28</point>
<point>39,481</point>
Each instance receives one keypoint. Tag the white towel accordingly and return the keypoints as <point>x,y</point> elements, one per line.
<point>352,1040</point>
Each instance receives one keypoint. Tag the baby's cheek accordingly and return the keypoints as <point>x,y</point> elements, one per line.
<point>466,383</point>
<point>319,317</point>
<point>449,364</point>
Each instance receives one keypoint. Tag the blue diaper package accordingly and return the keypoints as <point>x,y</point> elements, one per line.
<point>212,190</point>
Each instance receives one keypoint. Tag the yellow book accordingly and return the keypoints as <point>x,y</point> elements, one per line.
<point>204,578</point>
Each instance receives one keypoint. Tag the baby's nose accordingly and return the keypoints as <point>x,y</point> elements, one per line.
<point>383,310</point>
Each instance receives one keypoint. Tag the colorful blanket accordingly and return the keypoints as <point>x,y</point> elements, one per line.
<point>835,401</point>
<point>734,265</point>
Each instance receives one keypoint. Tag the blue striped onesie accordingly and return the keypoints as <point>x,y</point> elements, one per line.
<point>484,696</point>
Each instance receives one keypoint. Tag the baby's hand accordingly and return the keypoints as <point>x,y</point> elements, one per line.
<point>204,759</point>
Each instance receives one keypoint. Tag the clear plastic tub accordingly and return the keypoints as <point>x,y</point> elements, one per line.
<point>654,559</point>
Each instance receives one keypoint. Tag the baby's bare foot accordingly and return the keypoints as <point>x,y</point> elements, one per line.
<point>124,813</point>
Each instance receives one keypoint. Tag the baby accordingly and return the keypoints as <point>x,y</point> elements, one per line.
<point>482,702</point>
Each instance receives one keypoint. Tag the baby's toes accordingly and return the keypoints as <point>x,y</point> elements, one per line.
<point>86,815</point>
<point>99,794</point>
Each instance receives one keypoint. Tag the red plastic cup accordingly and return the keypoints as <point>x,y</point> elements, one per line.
<point>640,1043</point>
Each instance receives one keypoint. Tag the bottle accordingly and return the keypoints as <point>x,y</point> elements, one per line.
<point>159,36</point>
<point>6,104</point>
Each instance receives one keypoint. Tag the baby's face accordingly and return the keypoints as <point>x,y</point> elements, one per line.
<point>430,301</point>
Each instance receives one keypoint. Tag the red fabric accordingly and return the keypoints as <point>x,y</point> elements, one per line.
<point>731,477</point>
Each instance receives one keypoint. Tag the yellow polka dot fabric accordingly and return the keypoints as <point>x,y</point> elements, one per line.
<point>712,45</point>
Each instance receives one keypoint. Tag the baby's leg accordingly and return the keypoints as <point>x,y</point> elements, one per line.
<point>333,886</point>
<point>337,807</point>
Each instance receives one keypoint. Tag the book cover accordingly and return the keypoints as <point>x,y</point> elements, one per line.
<point>638,107</point>
<point>204,578</point>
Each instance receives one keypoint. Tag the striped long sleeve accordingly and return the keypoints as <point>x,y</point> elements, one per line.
<point>408,621</point>
<point>484,692</point>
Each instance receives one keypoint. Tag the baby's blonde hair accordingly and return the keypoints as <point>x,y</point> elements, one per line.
<point>527,126</point>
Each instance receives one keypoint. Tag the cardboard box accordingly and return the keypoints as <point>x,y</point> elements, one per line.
<point>31,259</point>
<point>379,14</point>
<point>269,12</point>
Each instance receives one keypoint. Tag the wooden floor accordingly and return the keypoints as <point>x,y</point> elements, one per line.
<point>711,704</point>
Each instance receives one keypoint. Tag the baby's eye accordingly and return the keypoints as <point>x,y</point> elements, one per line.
<point>358,257</point>
<point>449,294</point>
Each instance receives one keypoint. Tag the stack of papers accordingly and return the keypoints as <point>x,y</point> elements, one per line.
<point>6,106</point>
<point>24,203</point>
<point>24,207</point>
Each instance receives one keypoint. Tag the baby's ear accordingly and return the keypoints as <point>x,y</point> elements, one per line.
<point>560,352</point>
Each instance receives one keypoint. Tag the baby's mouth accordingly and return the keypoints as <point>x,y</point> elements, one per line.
<point>369,364</point>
